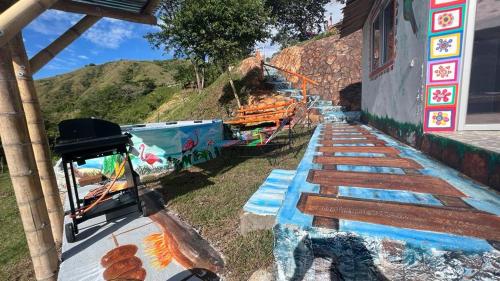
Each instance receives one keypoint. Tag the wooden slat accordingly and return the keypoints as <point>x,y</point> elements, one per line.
<point>347,135</point>
<point>454,202</point>
<point>415,183</point>
<point>360,149</point>
<point>369,161</point>
<point>336,126</point>
<point>352,141</point>
<point>455,221</point>
<point>345,130</point>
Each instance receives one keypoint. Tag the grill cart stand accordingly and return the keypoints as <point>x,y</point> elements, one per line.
<point>84,139</point>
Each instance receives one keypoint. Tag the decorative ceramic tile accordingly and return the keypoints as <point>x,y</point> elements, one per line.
<point>440,119</point>
<point>443,71</point>
<point>445,46</point>
<point>445,20</point>
<point>442,95</point>
<point>445,3</point>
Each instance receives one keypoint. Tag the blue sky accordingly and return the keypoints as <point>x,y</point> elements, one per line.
<point>108,40</point>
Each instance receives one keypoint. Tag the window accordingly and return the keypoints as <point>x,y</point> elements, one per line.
<point>383,36</point>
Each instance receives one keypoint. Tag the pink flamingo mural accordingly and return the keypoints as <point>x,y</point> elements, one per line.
<point>149,158</point>
<point>190,144</point>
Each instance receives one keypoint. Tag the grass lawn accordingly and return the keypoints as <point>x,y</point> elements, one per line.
<point>15,263</point>
<point>211,196</point>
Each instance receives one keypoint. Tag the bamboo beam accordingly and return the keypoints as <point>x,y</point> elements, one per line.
<point>47,54</point>
<point>24,174</point>
<point>17,16</point>
<point>36,130</point>
<point>82,8</point>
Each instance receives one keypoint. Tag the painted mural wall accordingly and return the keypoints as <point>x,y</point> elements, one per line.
<point>397,93</point>
<point>446,25</point>
<point>165,147</point>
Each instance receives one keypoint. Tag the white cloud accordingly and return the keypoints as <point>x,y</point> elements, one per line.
<point>107,33</point>
<point>83,57</point>
<point>53,22</point>
<point>110,33</point>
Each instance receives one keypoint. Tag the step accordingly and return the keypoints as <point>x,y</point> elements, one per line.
<point>261,209</point>
<point>280,85</point>
<point>290,91</point>
<point>342,117</point>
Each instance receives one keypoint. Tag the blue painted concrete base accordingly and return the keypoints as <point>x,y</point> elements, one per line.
<point>318,254</point>
<point>366,251</point>
<point>269,197</point>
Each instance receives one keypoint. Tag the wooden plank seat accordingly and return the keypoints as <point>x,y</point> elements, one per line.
<point>249,109</point>
<point>369,161</point>
<point>466,222</point>
<point>373,141</point>
<point>414,183</point>
<point>359,149</point>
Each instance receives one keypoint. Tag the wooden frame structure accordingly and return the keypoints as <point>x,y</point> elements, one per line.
<point>21,124</point>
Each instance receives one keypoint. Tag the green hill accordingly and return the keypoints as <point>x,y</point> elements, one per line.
<point>124,92</point>
<point>131,92</point>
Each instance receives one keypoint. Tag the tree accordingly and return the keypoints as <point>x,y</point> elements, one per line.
<point>297,20</point>
<point>216,32</point>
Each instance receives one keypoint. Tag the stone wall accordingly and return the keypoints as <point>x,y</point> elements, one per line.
<point>333,62</point>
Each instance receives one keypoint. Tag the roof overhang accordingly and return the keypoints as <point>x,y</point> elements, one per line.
<point>140,11</point>
<point>355,14</point>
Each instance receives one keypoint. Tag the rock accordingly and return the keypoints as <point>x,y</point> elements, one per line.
<point>262,275</point>
<point>251,222</point>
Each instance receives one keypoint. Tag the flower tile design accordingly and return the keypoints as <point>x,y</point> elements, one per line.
<point>443,71</point>
<point>445,46</point>
<point>440,119</point>
<point>446,20</point>
<point>442,95</point>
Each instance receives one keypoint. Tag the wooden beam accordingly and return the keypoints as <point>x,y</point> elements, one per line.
<point>81,8</point>
<point>24,174</point>
<point>45,55</point>
<point>38,136</point>
<point>19,15</point>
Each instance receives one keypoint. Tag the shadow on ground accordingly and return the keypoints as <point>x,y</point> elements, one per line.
<point>335,259</point>
<point>200,176</point>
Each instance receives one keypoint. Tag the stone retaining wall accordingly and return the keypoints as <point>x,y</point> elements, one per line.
<point>333,62</point>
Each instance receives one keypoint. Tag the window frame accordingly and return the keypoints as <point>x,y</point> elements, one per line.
<point>378,14</point>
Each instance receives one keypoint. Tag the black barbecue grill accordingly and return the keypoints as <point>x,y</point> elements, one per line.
<point>83,139</point>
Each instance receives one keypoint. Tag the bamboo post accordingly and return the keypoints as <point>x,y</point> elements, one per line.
<point>45,55</point>
<point>24,174</point>
<point>20,14</point>
<point>38,137</point>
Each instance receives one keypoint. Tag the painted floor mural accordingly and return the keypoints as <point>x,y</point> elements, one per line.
<point>363,206</point>
<point>126,246</point>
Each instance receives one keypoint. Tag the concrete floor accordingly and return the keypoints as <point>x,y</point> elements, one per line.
<point>489,140</point>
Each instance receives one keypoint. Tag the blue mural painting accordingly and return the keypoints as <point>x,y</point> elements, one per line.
<point>165,147</point>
